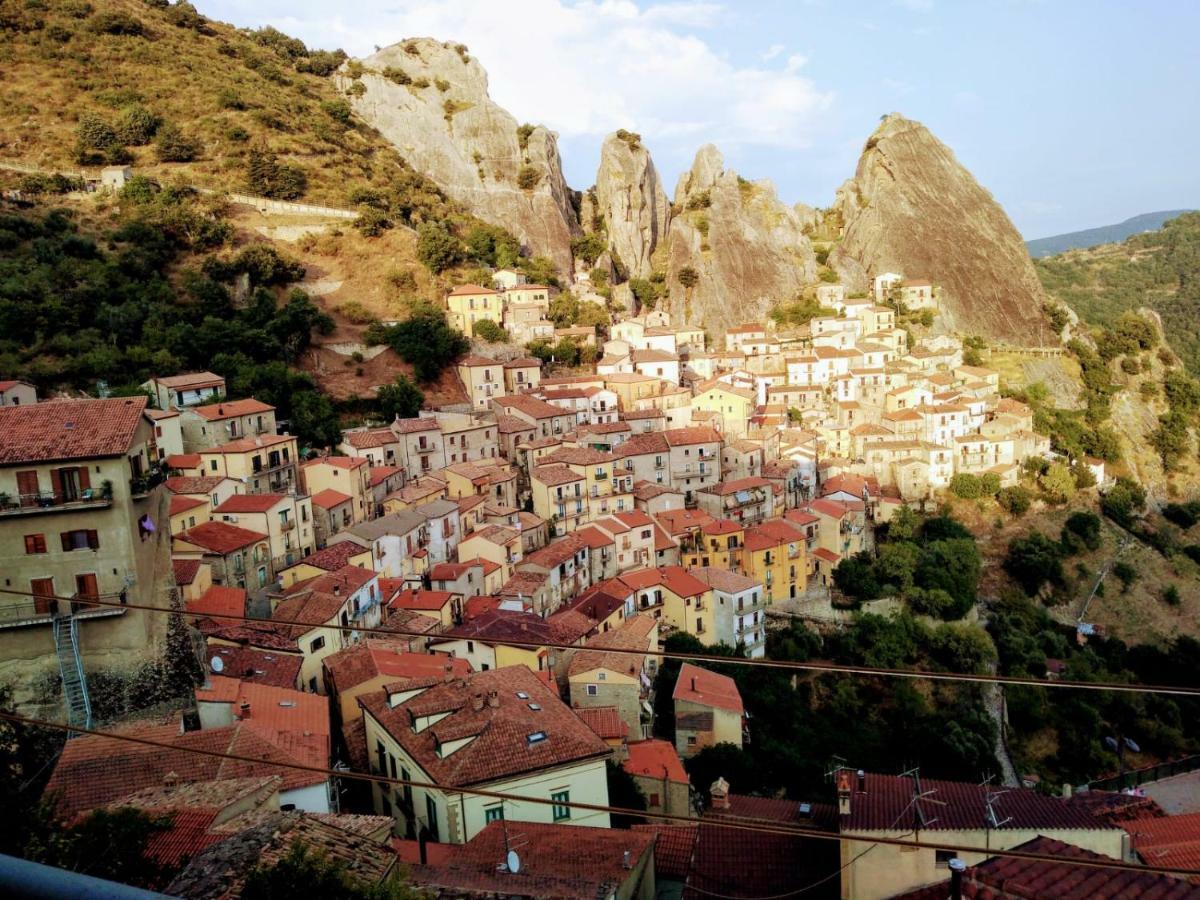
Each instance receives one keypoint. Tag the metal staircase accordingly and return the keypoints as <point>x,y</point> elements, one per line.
<point>70,664</point>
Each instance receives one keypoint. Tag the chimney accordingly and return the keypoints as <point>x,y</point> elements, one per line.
<point>1067,791</point>
<point>170,779</point>
<point>493,699</point>
<point>843,792</point>
<point>245,710</point>
<point>477,702</point>
<point>693,684</point>
<point>627,860</point>
<point>448,673</point>
<point>862,781</point>
<point>719,792</point>
<point>957,867</point>
<point>337,590</point>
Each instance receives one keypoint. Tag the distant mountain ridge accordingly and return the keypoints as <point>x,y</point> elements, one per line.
<point>1105,234</point>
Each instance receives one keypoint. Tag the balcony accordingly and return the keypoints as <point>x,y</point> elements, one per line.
<point>287,525</point>
<point>140,486</point>
<point>49,502</point>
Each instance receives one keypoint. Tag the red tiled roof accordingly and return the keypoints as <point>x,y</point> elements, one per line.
<point>220,537</point>
<point>369,659</point>
<point>1167,840</point>
<point>470,290</point>
<point>605,721</point>
<point>231,409</point>
<point>249,444</point>
<point>292,720</point>
<point>333,557</point>
<point>188,835</point>
<point>380,474</point>
<point>500,747</point>
<point>499,625</point>
<point>1005,877</point>
<point>95,770</point>
<point>887,804</point>
<point>339,462</point>
<point>250,503</point>
<point>183,461</point>
<point>220,601</point>
<point>192,484</point>
<point>330,498</point>
<point>190,379</point>
<point>555,475</point>
<point>696,434</point>
<point>262,666</point>
<point>697,685</point>
<point>69,429</point>
<point>675,578</point>
<point>412,426</point>
<point>418,599</point>
<point>185,570</point>
<point>372,437</point>
<point>654,759</point>
<point>674,847</point>
<point>571,862</point>
<point>181,503</point>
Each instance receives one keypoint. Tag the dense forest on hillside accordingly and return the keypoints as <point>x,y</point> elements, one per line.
<point>1105,234</point>
<point>1159,270</point>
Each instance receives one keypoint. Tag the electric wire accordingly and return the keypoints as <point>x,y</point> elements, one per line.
<point>751,825</point>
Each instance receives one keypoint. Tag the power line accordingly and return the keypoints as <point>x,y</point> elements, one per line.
<point>792,665</point>
<point>752,825</point>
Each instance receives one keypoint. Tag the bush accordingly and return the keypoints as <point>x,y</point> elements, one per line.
<point>1034,560</point>
<point>1185,515</point>
<point>118,24</point>
<point>588,248</point>
<point>403,279</point>
<point>425,340</point>
<point>1123,502</point>
<point>1085,526</point>
<point>1058,484</point>
<point>1171,595</point>
<point>399,400</point>
<point>228,98</point>
<point>1126,573</point>
<point>172,145</point>
<point>437,247</point>
<point>353,311</point>
<point>966,486</point>
<point>338,110</point>
<point>490,331</point>
<point>137,126</point>
<point>397,75</point>
<point>528,178</point>
<point>265,175</point>
<point>688,277</point>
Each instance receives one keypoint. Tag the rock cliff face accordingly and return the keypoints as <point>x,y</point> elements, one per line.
<point>747,249</point>
<point>912,208</point>
<point>430,100</point>
<point>630,199</point>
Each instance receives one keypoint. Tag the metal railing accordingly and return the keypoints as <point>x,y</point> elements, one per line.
<point>1135,777</point>
<point>48,501</point>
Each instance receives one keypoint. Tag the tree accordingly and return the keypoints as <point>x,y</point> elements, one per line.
<point>1058,484</point>
<point>265,175</point>
<point>952,565</point>
<point>490,331</point>
<point>109,844</point>
<point>437,247</point>
<point>305,872</point>
<point>426,341</point>
<point>897,564</point>
<point>1124,501</point>
<point>856,577</point>
<point>400,400</point>
<point>588,248</point>
<point>727,761</point>
<point>1085,526</point>
<point>623,792</point>
<point>1171,595</point>
<point>1034,560</point>
<point>966,486</point>
<point>688,277</point>
<point>1126,573</point>
<point>172,145</point>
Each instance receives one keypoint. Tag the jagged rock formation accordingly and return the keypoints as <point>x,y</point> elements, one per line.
<point>631,203</point>
<point>747,248</point>
<point>430,100</point>
<point>912,208</point>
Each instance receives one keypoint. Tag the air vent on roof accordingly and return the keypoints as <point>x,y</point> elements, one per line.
<point>535,707</point>
<point>521,695</point>
<point>287,704</point>
<point>536,738</point>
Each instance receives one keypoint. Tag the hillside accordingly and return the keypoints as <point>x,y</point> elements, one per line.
<point>1105,234</point>
<point>77,70</point>
<point>1159,270</point>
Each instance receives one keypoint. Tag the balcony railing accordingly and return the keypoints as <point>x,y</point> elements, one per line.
<point>142,485</point>
<point>287,524</point>
<point>26,504</point>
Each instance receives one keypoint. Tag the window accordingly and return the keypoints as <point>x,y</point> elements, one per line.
<point>35,543</point>
<point>561,809</point>
<point>81,539</point>
<point>317,644</point>
<point>653,800</point>
<point>942,858</point>
<point>593,690</point>
<point>212,465</point>
<point>493,813</point>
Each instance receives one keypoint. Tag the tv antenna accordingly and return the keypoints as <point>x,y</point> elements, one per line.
<point>989,799</point>
<point>919,795</point>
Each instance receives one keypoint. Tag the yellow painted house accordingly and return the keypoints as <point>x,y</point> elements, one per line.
<point>775,556</point>
<point>731,405</point>
<point>349,475</point>
<point>264,464</point>
<point>470,303</point>
<point>719,543</point>
<point>671,594</point>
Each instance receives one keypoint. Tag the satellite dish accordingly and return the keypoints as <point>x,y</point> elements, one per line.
<point>1132,745</point>
<point>217,664</point>
<point>513,862</point>
<point>1111,743</point>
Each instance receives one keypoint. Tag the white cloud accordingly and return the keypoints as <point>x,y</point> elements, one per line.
<point>587,68</point>
<point>773,51</point>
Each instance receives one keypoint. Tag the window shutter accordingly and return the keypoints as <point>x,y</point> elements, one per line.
<point>93,539</point>
<point>66,540</point>
<point>56,482</point>
<point>85,482</point>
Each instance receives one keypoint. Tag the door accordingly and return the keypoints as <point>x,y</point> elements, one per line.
<point>28,488</point>
<point>43,595</point>
<point>86,588</point>
<point>431,817</point>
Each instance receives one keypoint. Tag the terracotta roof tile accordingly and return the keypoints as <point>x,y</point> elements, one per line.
<point>220,537</point>
<point>261,666</point>
<point>231,409</point>
<point>69,429</point>
<point>185,570</point>
<point>697,685</point>
<point>655,759</point>
<point>333,557</point>
<point>219,600</point>
<point>605,721</point>
<point>186,484</point>
<point>501,747</point>
<point>251,503</point>
<point>330,499</point>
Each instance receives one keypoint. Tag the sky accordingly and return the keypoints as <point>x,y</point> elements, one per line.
<point>1073,114</point>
